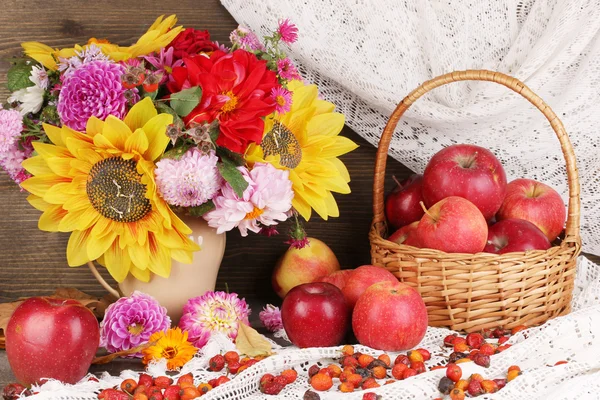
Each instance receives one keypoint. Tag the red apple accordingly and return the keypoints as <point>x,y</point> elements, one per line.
<point>315,315</point>
<point>338,278</point>
<point>468,171</point>
<point>363,277</point>
<point>453,225</point>
<point>406,235</point>
<point>390,316</point>
<point>510,235</point>
<point>534,202</point>
<point>298,266</point>
<point>402,205</point>
<point>51,338</point>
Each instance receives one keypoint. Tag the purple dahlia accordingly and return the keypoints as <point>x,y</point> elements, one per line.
<point>93,89</point>
<point>130,321</point>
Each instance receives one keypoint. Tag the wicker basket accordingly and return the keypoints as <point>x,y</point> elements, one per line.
<point>470,292</point>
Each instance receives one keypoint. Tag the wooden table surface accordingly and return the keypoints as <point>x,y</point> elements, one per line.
<point>33,262</point>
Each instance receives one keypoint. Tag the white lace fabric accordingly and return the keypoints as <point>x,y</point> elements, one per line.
<point>367,55</point>
<point>574,338</point>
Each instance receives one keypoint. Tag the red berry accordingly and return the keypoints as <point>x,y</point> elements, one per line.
<point>266,378</point>
<point>231,356</point>
<point>408,373</point>
<point>163,382</point>
<point>112,394</point>
<point>370,383</point>
<point>222,379</point>
<point>502,339</point>
<point>500,382</point>
<point>145,380</point>
<point>475,340</point>
<point>321,382</point>
<point>445,385</point>
<point>273,388</point>
<point>516,329</point>
<point>418,366</point>
<point>449,340</point>
<point>314,369</point>
<point>187,378</point>
<point>425,353</point>
<point>128,385</point>
<point>488,349</point>
<point>172,393</point>
<point>213,382</point>
<point>216,363</point>
<point>290,375</point>
<point>371,396</point>
<point>12,391</point>
<point>454,372</point>
<point>560,362</point>
<point>482,359</point>
<point>474,388</point>
<point>402,359</point>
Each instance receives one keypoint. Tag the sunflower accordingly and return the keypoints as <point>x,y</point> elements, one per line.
<point>100,186</point>
<point>173,345</point>
<point>305,142</point>
<point>158,36</point>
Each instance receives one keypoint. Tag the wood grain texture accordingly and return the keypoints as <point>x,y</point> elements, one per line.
<point>33,262</point>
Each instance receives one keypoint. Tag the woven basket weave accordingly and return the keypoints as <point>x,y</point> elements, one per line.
<point>470,292</point>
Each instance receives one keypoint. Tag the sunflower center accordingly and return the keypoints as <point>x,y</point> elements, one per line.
<point>135,329</point>
<point>282,141</point>
<point>231,104</point>
<point>254,213</point>
<point>169,352</point>
<point>115,190</point>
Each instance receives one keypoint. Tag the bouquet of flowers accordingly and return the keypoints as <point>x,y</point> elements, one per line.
<point>112,141</point>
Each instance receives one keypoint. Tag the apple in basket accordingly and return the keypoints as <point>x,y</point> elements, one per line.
<point>402,205</point>
<point>468,171</point>
<point>406,235</point>
<point>534,202</point>
<point>453,225</point>
<point>298,266</point>
<point>363,277</point>
<point>51,338</point>
<point>510,235</point>
<point>390,316</point>
<point>315,315</point>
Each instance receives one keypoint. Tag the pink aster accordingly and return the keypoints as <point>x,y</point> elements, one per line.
<point>11,161</point>
<point>287,31</point>
<point>246,39</point>
<point>211,313</point>
<point>287,70</point>
<point>270,317</point>
<point>11,126</point>
<point>282,98</point>
<point>265,202</point>
<point>163,62</point>
<point>190,181</point>
<point>130,321</point>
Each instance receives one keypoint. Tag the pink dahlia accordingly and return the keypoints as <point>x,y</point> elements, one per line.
<point>287,31</point>
<point>130,321</point>
<point>211,313</point>
<point>11,125</point>
<point>270,316</point>
<point>190,181</point>
<point>93,89</point>
<point>265,202</point>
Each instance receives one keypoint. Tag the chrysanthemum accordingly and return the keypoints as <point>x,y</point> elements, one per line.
<point>287,70</point>
<point>11,126</point>
<point>189,181</point>
<point>270,317</point>
<point>282,98</point>
<point>287,31</point>
<point>93,89</point>
<point>100,186</point>
<point>130,321</point>
<point>265,202</point>
<point>211,313</point>
<point>158,36</point>
<point>172,345</point>
<point>305,142</point>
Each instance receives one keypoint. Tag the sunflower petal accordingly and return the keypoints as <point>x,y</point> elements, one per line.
<point>36,166</point>
<point>139,256</point>
<point>325,124</point>
<point>89,155</point>
<point>137,142</point>
<point>142,112</point>
<point>156,130</point>
<point>341,168</point>
<point>185,257</point>
<point>54,134</point>
<point>60,166</point>
<point>40,184</point>
<point>98,245</point>
<point>302,206</point>
<point>332,207</point>
<point>37,202</point>
<point>88,218</point>
<point>57,194</point>
<point>50,219</point>
<point>159,257</point>
<point>77,248</point>
<point>117,262</point>
<point>116,131</point>
<point>94,126</point>
<point>49,150</point>
<point>140,274</point>
<point>342,145</point>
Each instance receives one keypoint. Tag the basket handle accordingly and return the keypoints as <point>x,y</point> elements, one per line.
<point>572,228</point>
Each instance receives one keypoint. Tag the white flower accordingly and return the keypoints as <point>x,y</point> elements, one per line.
<point>39,76</point>
<point>31,99</point>
<point>86,55</point>
<point>266,201</point>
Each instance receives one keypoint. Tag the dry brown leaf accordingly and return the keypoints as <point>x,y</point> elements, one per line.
<point>252,343</point>
<point>108,358</point>
<point>6,310</point>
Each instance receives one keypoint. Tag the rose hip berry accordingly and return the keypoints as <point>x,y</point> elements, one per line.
<point>425,353</point>
<point>482,359</point>
<point>380,372</point>
<point>385,359</point>
<point>163,382</point>
<point>145,380</point>
<point>313,370</point>
<point>475,340</point>
<point>415,355</point>
<point>216,363</point>
<point>418,366</point>
<point>370,383</point>
<point>457,394</point>
<point>512,375</point>
<point>321,382</point>
<point>489,386</point>
<point>398,370</point>
<point>290,375</point>
<point>172,393</point>
<point>346,387</point>
<point>488,349</point>
<point>231,356</point>
<point>371,396</point>
<point>402,359</point>
<point>449,340</point>
<point>446,384</point>
<point>453,372</point>
<point>310,395</point>
<point>474,388</point>
<point>409,372</point>
<point>204,388</point>
<point>364,360</point>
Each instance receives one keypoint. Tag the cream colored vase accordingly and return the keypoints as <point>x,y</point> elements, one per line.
<point>186,280</point>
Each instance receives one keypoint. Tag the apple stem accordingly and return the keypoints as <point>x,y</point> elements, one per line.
<point>396,180</point>
<point>426,211</point>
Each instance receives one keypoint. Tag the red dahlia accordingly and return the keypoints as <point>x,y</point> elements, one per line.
<point>236,90</point>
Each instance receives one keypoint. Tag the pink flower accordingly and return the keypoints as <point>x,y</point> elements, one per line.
<point>265,202</point>
<point>163,62</point>
<point>211,313</point>
<point>282,98</point>
<point>190,181</point>
<point>287,31</point>
<point>287,70</point>
<point>11,163</point>
<point>246,39</point>
<point>11,126</point>
<point>270,317</point>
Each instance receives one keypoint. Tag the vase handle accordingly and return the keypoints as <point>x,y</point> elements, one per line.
<point>100,279</point>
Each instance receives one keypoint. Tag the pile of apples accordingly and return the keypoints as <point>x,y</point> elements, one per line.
<point>463,204</point>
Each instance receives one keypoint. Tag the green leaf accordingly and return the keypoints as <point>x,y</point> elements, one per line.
<point>18,77</point>
<point>152,95</point>
<point>235,158</point>
<point>163,108</point>
<point>185,101</point>
<point>233,176</point>
<point>202,209</point>
<point>177,152</point>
